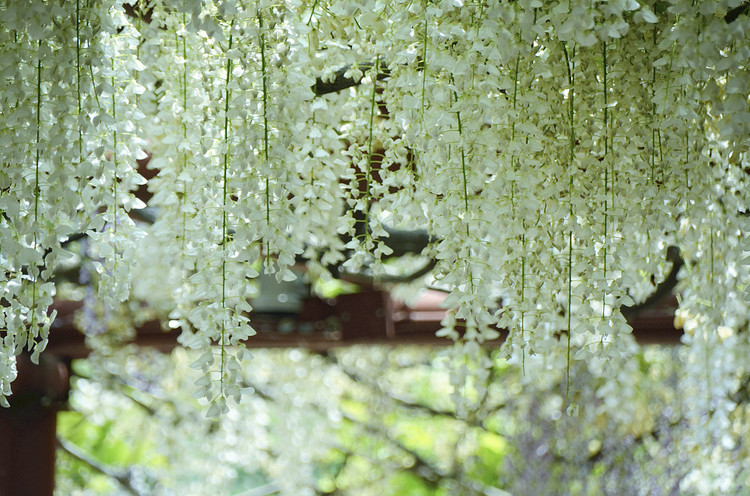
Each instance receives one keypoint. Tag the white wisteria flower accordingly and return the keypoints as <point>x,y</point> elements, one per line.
<point>554,152</point>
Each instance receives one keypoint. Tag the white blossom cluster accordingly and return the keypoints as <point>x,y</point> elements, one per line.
<point>554,150</point>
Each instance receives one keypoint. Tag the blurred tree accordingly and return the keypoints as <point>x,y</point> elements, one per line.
<point>378,421</point>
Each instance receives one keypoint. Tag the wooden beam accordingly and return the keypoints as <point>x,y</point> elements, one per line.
<point>28,428</point>
<point>369,317</point>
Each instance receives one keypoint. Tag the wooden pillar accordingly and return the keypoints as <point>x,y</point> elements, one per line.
<point>28,428</point>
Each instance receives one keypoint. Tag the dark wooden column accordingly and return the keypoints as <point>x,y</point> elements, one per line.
<point>28,428</point>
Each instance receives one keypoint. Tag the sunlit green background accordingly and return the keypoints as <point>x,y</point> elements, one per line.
<point>372,421</point>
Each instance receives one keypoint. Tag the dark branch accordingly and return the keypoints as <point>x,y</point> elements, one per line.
<point>404,402</point>
<point>146,214</point>
<point>734,13</point>
<point>403,242</point>
<point>742,395</point>
<point>122,477</point>
<point>364,279</point>
<point>135,10</point>
<point>663,289</point>
<point>341,81</point>
<point>422,467</point>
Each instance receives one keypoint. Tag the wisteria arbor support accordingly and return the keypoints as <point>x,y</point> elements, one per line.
<point>27,428</point>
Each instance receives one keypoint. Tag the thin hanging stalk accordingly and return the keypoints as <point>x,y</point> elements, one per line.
<point>606,171</point>
<point>264,80</point>
<point>513,207</point>
<point>93,84</point>
<point>711,248</point>
<point>312,12</point>
<point>415,159</point>
<point>513,131</point>
<point>707,356</point>
<point>653,127</point>
<point>463,163</point>
<point>424,58</point>
<point>669,74</point>
<point>466,191</point>
<point>183,88</point>
<point>465,182</point>
<point>38,139</point>
<point>368,172</point>
<point>515,96</point>
<point>570,311</point>
<point>687,160</point>
<point>477,17</point>
<point>78,78</point>
<point>571,117</point>
<point>655,132</point>
<point>613,172</point>
<point>666,99</point>
<point>114,155</point>
<point>523,302</point>
<point>37,191</point>
<point>227,97</point>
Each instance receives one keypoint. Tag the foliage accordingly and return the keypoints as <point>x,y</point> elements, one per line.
<point>554,151</point>
<point>380,421</point>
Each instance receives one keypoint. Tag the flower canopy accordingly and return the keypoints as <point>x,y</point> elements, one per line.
<point>555,153</point>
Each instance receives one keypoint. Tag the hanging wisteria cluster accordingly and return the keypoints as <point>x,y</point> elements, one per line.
<point>554,151</point>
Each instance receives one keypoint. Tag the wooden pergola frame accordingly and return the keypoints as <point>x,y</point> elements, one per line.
<point>28,427</point>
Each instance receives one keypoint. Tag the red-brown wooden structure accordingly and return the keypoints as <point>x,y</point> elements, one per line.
<point>28,428</point>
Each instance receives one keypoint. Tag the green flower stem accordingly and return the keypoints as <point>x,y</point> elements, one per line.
<point>184,132</point>
<point>606,170</point>
<point>465,185</point>
<point>711,249</point>
<point>669,74</point>
<point>466,195</point>
<point>368,172</point>
<point>37,192</point>
<point>424,58</point>
<point>707,355</point>
<point>78,78</point>
<point>653,127</point>
<point>114,155</point>
<point>463,170</point>
<point>523,302</point>
<point>264,81</point>
<point>312,12</point>
<point>38,138</point>
<point>515,95</point>
<point>222,344</point>
<point>571,116</point>
<point>513,207</point>
<point>613,172</point>
<point>93,85</point>
<point>687,160</point>
<point>513,130</point>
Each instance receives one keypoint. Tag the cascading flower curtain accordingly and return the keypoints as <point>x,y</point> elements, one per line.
<point>554,151</point>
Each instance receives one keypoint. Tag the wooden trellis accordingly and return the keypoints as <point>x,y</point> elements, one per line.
<point>28,427</point>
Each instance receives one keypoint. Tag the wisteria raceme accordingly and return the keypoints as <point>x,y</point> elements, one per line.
<point>554,151</point>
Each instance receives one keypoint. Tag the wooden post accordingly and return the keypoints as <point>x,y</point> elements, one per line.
<point>28,429</point>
